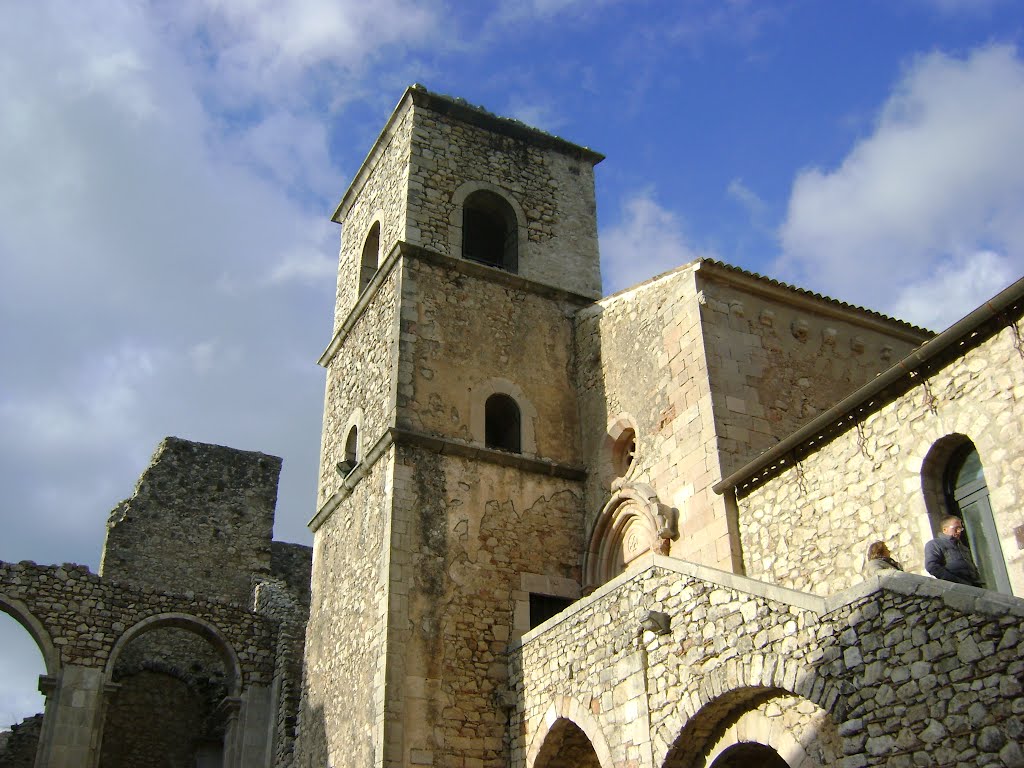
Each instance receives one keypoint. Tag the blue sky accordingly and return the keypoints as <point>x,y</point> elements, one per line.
<point>167,263</point>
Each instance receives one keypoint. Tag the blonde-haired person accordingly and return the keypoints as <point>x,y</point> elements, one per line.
<point>880,560</point>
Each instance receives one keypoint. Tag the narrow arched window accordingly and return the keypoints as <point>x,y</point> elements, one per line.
<point>489,231</point>
<point>502,428</point>
<point>371,257</point>
<point>967,497</point>
<point>351,452</point>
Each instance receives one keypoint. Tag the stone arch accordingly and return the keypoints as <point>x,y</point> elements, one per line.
<point>185,621</point>
<point>455,220</point>
<point>478,412</point>
<point>566,709</point>
<point>21,614</point>
<point>703,718</point>
<point>932,471</point>
<point>631,523</point>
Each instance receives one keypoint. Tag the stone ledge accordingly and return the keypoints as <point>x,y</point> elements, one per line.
<point>447,447</point>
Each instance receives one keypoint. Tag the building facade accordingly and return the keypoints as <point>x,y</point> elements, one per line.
<point>524,553</point>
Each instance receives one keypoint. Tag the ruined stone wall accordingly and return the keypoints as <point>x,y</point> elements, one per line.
<point>899,672</point>
<point>777,362</point>
<point>200,521</point>
<point>641,361</point>
<point>361,379</point>
<point>471,540</point>
<point>85,616</point>
<point>289,608</point>
<point>378,194</point>
<point>809,527</point>
<point>341,719</point>
<point>462,332</point>
<point>554,191</point>
<point>155,720</point>
<point>18,745</point>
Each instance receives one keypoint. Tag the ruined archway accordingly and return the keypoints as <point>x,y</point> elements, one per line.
<point>22,632</point>
<point>173,680</point>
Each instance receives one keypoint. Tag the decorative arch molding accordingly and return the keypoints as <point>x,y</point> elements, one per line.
<point>632,523</point>
<point>738,686</point>
<point>568,708</point>
<point>21,614</point>
<point>455,217</point>
<point>478,412</point>
<point>188,622</point>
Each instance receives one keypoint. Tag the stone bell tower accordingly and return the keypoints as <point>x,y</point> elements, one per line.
<point>450,514</point>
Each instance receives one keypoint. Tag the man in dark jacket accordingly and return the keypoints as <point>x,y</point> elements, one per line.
<point>947,557</point>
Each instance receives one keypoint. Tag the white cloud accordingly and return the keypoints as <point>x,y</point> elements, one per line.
<point>940,179</point>
<point>954,288</point>
<point>646,241</point>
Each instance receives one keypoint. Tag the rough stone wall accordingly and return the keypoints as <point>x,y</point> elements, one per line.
<point>775,365</point>
<point>380,196</point>
<point>341,719</point>
<point>709,374</point>
<point>155,720</point>
<point>18,745</point>
<point>470,541</point>
<point>460,332</point>
<point>287,603</point>
<point>555,192</point>
<point>292,564</point>
<point>809,527</point>
<point>902,671</point>
<point>361,375</point>
<point>84,616</point>
<point>200,521</point>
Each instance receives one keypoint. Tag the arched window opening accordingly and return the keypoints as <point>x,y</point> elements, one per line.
<point>502,429</point>
<point>624,452</point>
<point>966,495</point>
<point>371,257</point>
<point>489,231</point>
<point>351,451</point>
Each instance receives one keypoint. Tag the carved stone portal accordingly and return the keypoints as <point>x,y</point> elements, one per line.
<point>632,523</point>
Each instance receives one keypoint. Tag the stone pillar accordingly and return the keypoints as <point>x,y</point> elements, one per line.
<point>73,722</point>
<point>255,727</point>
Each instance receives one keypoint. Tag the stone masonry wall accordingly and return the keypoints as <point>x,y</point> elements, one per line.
<point>361,376</point>
<point>641,359</point>
<point>85,616</point>
<point>200,521</point>
<point>554,190</point>
<point>460,332</point>
<point>381,196</point>
<point>340,722</point>
<point>774,365</point>
<point>899,672</point>
<point>809,527</point>
<point>471,542</point>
